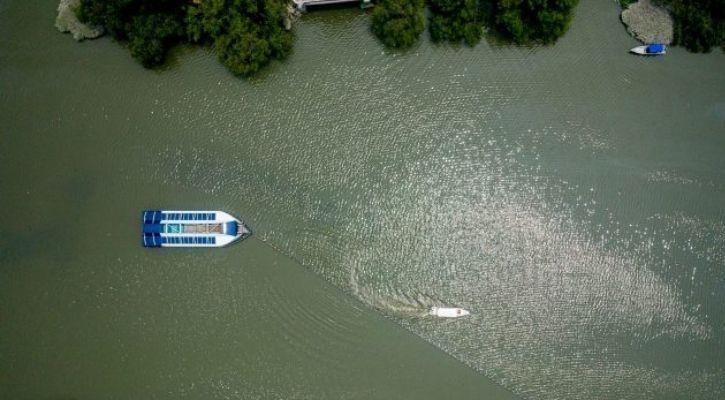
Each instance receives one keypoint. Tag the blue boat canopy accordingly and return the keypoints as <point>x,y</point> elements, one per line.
<point>151,217</point>
<point>152,240</point>
<point>231,228</point>
<point>152,228</point>
<point>656,48</point>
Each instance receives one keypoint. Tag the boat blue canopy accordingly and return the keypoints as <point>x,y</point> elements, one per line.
<point>188,216</point>
<point>655,48</point>
<point>153,228</point>
<point>151,217</point>
<point>231,228</point>
<point>152,240</point>
<point>188,239</point>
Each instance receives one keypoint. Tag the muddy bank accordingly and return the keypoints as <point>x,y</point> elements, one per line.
<point>66,21</point>
<point>648,22</point>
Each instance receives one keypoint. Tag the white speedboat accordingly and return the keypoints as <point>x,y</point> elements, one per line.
<point>162,228</point>
<point>447,312</point>
<point>654,49</point>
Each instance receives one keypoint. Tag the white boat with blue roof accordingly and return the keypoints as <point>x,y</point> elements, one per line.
<point>172,228</point>
<point>654,49</point>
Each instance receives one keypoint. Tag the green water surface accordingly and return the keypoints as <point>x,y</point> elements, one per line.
<point>571,197</point>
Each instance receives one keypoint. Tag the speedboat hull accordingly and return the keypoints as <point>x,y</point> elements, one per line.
<point>448,312</point>
<point>172,228</point>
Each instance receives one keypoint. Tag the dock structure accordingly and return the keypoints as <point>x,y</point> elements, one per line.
<point>302,4</point>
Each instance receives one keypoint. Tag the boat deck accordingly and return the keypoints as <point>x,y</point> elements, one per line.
<point>202,228</point>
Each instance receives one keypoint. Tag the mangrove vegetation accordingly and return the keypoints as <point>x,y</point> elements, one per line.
<point>149,27</point>
<point>456,21</point>
<point>699,24</point>
<point>247,34</point>
<point>398,23</point>
<point>527,21</point>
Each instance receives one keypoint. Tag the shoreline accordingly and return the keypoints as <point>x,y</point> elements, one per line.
<point>648,22</point>
<point>67,21</point>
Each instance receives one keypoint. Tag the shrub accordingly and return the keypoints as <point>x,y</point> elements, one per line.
<point>247,34</point>
<point>698,24</point>
<point>524,21</point>
<point>398,23</point>
<point>456,20</point>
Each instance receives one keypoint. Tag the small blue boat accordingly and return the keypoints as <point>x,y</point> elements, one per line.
<point>654,49</point>
<point>162,228</point>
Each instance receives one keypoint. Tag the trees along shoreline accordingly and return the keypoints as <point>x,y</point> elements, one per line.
<point>466,21</point>
<point>699,24</point>
<point>249,34</point>
<point>398,23</point>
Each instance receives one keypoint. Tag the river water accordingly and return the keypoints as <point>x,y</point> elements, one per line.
<point>571,197</point>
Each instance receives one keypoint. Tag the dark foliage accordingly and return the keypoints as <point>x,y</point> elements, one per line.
<point>456,20</point>
<point>398,23</point>
<point>151,35</point>
<point>525,21</point>
<point>247,34</point>
<point>699,24</point>
<point>150,27</point>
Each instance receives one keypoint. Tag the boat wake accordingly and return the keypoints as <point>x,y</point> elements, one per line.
<point>393,302</point>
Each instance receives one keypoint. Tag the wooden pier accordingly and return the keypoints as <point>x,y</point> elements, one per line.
<point>302,4</point>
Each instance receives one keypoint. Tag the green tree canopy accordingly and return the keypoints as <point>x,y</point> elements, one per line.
<point>525,21</point>
<point>456,20</point>
<point>398,23</point>
<point>247,34</point>
<point>151,35</point>
<point>699,24</point>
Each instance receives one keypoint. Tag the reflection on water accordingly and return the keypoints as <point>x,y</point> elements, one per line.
<point>492,179</point>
